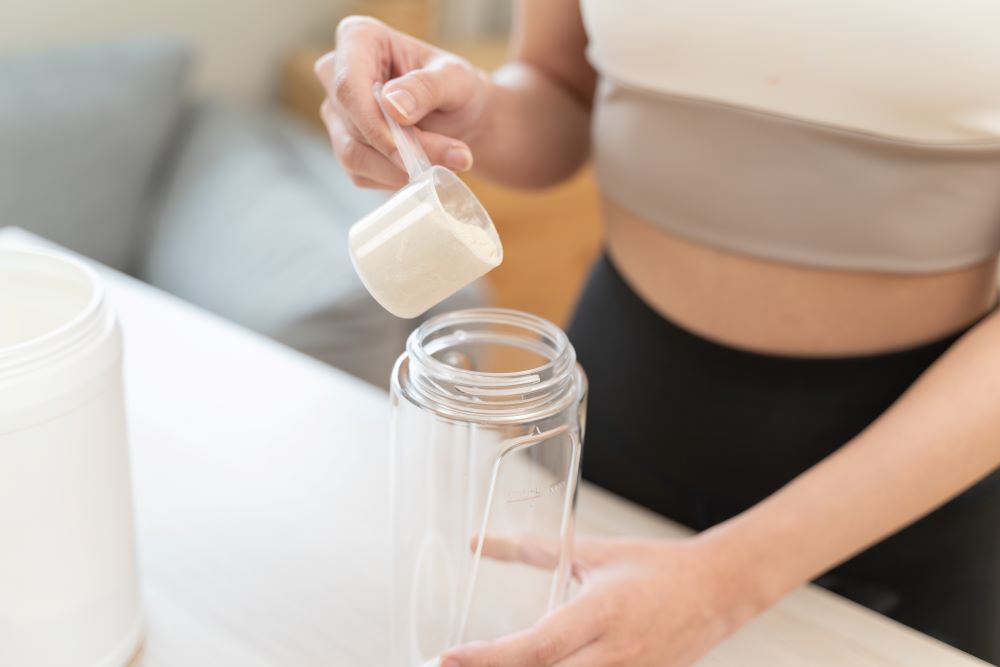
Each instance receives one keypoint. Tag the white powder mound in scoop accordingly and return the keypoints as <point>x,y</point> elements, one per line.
<point>420,257</point>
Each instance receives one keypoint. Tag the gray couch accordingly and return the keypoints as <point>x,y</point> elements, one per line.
<point>243,212</point>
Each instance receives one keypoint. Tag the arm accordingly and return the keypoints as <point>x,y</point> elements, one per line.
<point>665,604</point>
<point>538,131</point>
<point>938,439</point>
<point>526,126</point>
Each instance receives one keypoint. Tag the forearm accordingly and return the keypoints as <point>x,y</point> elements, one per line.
<point>938,439</point>
<point>537,130</point>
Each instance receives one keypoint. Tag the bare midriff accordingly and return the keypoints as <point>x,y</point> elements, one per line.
<point>778,308</point>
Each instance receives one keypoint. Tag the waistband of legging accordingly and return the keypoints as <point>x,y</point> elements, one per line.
<point>698,343</point>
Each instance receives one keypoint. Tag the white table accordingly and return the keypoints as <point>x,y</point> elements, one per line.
<point>260,480</point>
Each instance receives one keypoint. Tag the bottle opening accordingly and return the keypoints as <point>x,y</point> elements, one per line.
<point>39,295</point>
<point>488,363</point>
<point>51,305</point>
<point>502,350</point>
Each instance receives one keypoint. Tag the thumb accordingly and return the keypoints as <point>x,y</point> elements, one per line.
<point>444,84</point>
<point>591,552</point>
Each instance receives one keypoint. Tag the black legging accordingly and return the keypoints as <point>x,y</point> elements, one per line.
<point>700,432</point>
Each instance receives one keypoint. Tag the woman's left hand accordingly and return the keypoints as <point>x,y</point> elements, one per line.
<point>642,603</point>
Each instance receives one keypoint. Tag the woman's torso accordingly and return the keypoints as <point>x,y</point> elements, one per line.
<point>803,178</point>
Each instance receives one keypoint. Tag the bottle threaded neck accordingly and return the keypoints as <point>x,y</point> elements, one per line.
<point>64,297</point>
<point>489,364</point>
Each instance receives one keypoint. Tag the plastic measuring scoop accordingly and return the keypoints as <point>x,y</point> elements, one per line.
<point>431,239</point>
<point>410,151</point>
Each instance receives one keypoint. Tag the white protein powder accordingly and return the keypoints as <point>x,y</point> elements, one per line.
<point>411,255</point>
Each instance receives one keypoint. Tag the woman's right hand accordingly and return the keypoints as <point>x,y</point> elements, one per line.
<point>445,94</point>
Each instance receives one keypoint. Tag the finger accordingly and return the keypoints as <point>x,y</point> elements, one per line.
<point>347,145</point>
<point>594,552</point>
<point>363,163</point>
<point>530,550</point>
<point>538,552</point>
<point>323,69</point>
<point>445,150</point>
<point>363,182</point>
<point>349,73</point>
<point>443,84</point>
<point>595,654</point>
<point>557,636</point>
<point>440,149</point>
<point>339,125</point>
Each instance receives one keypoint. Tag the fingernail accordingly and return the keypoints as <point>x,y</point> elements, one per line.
<point>450,662</point>
<point>403,101</point>
<point>458,158</point>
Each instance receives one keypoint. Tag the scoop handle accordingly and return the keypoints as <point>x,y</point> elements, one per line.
<point>412,153</point>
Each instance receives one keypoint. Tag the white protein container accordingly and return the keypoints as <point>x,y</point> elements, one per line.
<point>68,580</point>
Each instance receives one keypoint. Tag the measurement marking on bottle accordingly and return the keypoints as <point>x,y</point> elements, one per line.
<point>525,496</point>
<point>534,493</point>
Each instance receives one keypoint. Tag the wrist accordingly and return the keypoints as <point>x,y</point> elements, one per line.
<point>483,128</point>
<point>745,581</point>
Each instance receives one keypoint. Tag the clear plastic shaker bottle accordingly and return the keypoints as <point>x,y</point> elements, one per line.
<point>431,239</point>
<point>487,426</point>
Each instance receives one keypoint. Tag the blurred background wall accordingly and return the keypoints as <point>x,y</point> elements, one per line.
<point>238,43</point>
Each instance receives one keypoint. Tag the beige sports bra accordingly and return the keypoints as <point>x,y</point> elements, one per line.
<point>859,135</point>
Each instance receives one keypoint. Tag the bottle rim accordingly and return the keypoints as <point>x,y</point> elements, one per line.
<point>470,394</point>
<point>75,331</point>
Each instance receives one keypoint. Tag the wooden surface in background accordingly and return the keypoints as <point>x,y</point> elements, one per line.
<point>550,236</point>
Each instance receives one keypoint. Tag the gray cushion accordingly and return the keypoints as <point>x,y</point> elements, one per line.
<point>81,132</point>
<point>253,226</point>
